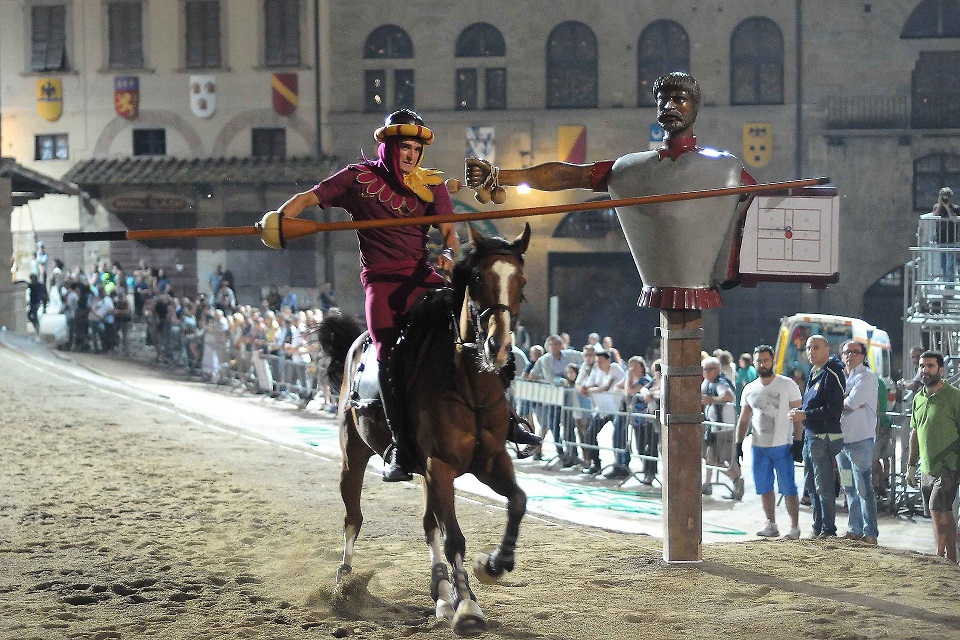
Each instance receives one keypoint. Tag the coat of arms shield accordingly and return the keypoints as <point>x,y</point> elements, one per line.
<point>203,95</point>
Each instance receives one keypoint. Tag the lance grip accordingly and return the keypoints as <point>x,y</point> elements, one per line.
<point>93,236</point>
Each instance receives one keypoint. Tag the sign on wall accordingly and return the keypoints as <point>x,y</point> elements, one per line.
<point>126,96</point>
<point>283,90</point>
<point>480,143</point>
<point>50,98</point>
<point>203,95</point>
<point>757,143</point>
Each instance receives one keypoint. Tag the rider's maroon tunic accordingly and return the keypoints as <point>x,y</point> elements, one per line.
<point>393,260</point>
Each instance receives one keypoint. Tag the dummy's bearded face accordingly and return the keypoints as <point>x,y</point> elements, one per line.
<point>676,110</point>
<point>409,151</point>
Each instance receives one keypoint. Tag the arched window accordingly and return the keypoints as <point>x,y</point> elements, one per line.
<point>934,19</point>
<point>756,62</point>
<point>587,224</point>
<point>392,88</point>
<point>481,40</point>
<point>571,67</point>
<point>388,41</point>
<point>663,47</point>
<point>930,174</point>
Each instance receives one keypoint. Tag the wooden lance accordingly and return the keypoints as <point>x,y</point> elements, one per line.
<point>276,229</point>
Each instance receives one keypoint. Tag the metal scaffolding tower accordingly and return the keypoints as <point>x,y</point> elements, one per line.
<point>931,293</point>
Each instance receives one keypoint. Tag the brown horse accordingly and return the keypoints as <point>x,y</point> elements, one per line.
<point>449,369</point>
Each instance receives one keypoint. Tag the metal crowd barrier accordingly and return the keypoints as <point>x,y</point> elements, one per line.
<point>558,410</point>
<point>220,362</point>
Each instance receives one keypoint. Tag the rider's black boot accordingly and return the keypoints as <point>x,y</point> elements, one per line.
<point>521,436</point>
<point>397,467</point>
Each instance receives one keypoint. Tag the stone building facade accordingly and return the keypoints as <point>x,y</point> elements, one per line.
<point>865,93</point>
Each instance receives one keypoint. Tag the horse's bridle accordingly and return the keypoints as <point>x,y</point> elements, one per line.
<point>479,315</point>
<point>484,315</point>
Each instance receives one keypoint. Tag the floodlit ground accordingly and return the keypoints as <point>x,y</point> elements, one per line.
<point>124,515</point>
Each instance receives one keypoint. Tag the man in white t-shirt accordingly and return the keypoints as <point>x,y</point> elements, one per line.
<point>777,441</point>
<point>602,383</point>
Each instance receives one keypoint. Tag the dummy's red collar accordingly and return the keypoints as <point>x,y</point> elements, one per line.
<point>673,148</point>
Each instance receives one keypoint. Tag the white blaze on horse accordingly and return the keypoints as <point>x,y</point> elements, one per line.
<point>448,365</point>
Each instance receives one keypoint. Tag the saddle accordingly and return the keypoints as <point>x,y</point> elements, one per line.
<point>364,383</point>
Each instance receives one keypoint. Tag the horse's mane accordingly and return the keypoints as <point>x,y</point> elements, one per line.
<point>429,332</point>
<point>431,324</point>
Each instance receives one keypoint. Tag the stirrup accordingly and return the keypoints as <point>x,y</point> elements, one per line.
<point>527,451</point>
<point>521,436</point>
<point>393,471</point>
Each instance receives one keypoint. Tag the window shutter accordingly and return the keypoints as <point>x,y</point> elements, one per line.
<point>56,46</point>
<point>40,19</point>
<point>211,31</point>
<point>291,26</point>
<point>194,57</point>
<point>115,26</point>
<point>126,35</point>
<point>135,17</point>
<point>274,32</point>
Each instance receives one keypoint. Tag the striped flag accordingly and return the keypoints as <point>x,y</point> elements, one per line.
<point>284,90</point>
<point>572,143</point>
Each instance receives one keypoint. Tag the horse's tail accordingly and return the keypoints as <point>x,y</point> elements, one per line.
<point>335,335</point>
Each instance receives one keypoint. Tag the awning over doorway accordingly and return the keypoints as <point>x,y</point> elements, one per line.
<point>304,172</point>
<point>27,185</point>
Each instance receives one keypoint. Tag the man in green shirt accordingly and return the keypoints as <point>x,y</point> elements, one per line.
<point>935,444</point>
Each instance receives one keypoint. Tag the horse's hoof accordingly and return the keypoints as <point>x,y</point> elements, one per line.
<point>343,570</point>
<point>469,620</point>
<point>444,610</point>
<point>481,567</point>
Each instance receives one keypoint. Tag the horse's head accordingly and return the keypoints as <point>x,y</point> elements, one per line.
<point>494,293</point>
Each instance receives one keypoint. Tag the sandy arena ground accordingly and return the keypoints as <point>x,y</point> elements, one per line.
<point>122,518</point>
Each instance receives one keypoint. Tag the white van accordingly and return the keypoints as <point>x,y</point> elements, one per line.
<point>795,329</point>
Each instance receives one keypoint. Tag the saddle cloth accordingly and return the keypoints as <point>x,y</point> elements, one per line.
<point>365,380</point>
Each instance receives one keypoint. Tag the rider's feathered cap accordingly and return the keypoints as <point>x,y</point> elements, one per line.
<point>405,124</point>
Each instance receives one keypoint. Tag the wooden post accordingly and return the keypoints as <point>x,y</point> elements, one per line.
<point>681,339</point>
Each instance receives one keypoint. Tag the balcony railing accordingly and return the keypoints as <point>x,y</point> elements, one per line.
<point>893,112</point>
<point>868,112</point>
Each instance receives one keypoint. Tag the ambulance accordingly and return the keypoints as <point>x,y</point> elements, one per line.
<point>795,329</point>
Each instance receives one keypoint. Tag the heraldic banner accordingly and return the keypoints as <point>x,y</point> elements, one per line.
<point>757,143</point>
<point>284,92</point>
<point>203,95</point>
<point>50,98</point>
<point>126,96</point>
<point>572,143</point>
<point>480,143</point>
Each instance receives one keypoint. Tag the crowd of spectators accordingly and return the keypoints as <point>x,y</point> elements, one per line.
<point>603,388</point>
<point>267,347</point>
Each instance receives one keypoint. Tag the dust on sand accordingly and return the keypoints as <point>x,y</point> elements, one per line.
<point>122,519</point>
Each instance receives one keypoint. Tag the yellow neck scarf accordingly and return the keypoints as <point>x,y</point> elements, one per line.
<point>420,180</point>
